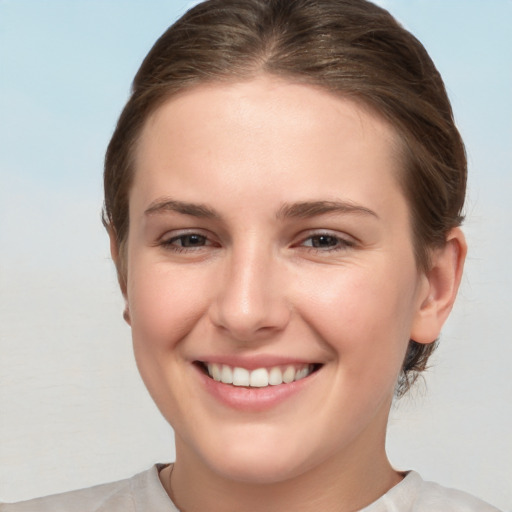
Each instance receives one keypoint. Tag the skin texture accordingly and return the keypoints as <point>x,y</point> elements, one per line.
<point>253,285</point>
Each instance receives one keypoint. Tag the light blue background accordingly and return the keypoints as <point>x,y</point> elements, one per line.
<point>73,410</point>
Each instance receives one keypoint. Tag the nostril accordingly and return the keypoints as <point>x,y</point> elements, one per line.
<point>251,322</point>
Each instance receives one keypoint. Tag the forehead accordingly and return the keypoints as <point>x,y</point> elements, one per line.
<point>264,129</point>
<point>265,102</point>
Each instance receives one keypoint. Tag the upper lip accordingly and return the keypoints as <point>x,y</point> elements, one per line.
<point>254,362</point>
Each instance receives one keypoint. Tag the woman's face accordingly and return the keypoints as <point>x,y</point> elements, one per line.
<point>269,240</point>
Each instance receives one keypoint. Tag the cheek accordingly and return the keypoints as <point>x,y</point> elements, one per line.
<point>164,304</point>
<point>364,314</point>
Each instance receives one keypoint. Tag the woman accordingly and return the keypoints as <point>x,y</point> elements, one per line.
<point>283,195</point>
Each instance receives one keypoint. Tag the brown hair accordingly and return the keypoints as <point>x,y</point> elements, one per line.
<point>349,47</point>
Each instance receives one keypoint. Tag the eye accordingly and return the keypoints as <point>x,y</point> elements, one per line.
<point>321,241</point>
<point>190,240</point>
<point>186,242</point>
<point>327,242</point>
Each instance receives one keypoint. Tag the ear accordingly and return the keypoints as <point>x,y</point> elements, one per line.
<point>441,285</point>
<point>121,278</point>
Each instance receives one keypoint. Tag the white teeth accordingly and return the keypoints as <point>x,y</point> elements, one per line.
<point>304,372</point>
<point>226,375</point>
<point>275,376</point>
<point>241,377</point>
<point>289,375</point>
<point>215,371</point>
<point>258,378</point>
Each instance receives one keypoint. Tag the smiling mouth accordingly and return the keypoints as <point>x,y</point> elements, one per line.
<point>259,377</point>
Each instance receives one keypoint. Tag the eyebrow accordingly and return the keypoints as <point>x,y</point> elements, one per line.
<point>303,209</point>
<point>307,209</point>
<point>170,205</point>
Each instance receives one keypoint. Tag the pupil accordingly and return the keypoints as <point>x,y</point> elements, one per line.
<point>193,240</point>
<point>324,241</point>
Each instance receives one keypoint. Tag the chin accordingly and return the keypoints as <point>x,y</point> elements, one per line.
<point>254,468</point>
<point>258,456</point>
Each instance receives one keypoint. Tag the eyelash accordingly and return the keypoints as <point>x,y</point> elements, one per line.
<point>339,243</point>
<point>170,243</point>
<point>334,242</point>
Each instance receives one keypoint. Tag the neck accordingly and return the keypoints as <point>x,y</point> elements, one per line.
<point>345,482</point>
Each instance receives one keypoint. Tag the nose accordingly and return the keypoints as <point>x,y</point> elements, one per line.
<point>251,302</point>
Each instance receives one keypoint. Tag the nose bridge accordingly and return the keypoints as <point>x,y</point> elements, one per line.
<point>250,301</point>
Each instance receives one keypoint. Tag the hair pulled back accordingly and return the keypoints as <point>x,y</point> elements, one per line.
<point>351,48</point>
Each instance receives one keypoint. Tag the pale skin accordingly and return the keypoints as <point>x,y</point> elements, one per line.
<point>267,223</point>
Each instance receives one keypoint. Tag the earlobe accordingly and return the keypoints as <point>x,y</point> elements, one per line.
<point>442,283</point>
<point>126,315</point>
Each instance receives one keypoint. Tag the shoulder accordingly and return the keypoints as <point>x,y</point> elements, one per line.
<point>416,495</point>
<point>92,499</point>
<point>432,496</point>
<point>124,495</point>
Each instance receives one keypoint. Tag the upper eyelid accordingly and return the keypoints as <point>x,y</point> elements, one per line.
<point>172,243</point>
<point>341,243</point>
<point>175,234</point>
<point>342,236</point>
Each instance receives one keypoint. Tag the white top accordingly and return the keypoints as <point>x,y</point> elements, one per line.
<point>144,492</point>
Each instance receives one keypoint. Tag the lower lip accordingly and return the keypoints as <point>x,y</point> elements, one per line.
<point>253,399</point>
